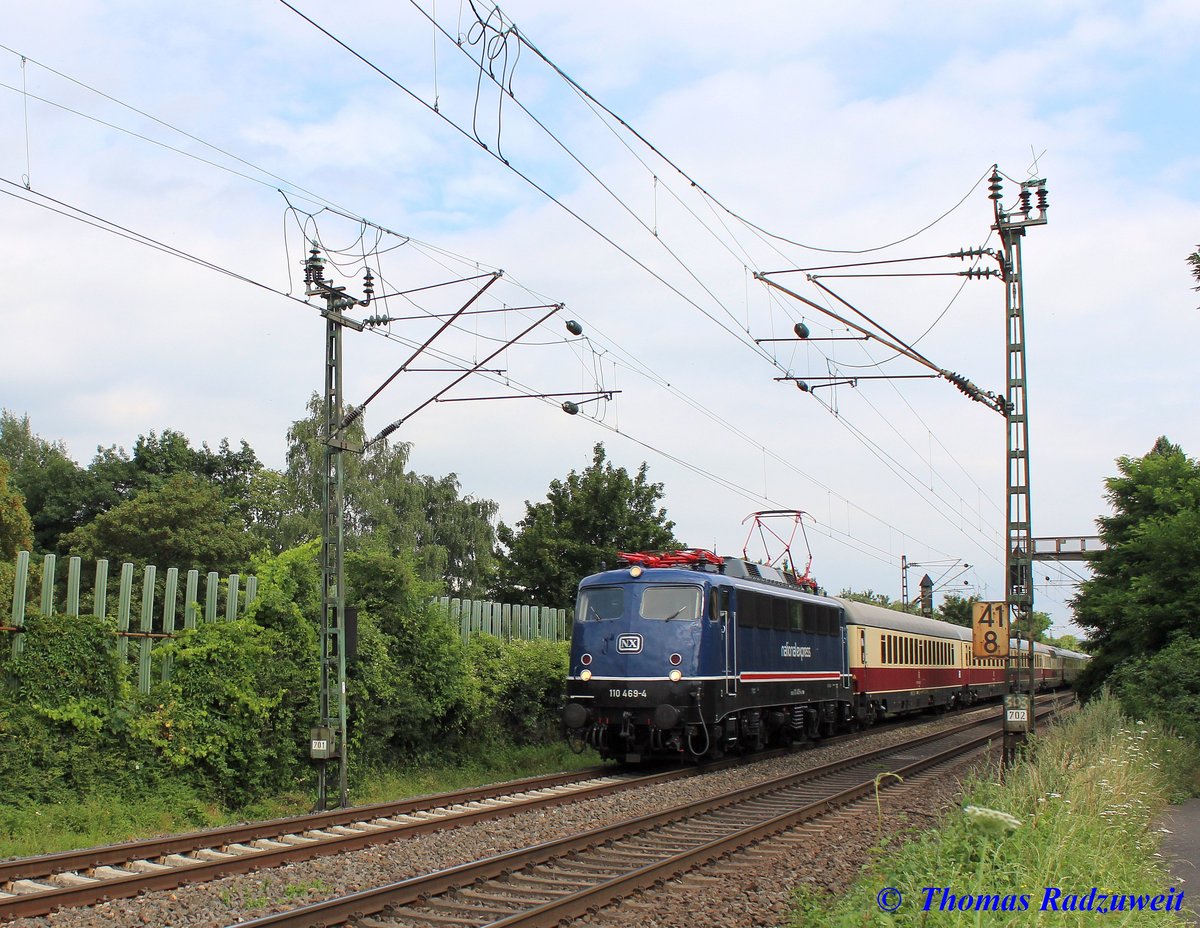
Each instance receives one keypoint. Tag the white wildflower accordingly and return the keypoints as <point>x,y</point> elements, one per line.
<point>991,821</point>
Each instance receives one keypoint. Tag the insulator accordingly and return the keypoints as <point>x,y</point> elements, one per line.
<point>995,186</point>
<point>802,386</point>
<point>1043,199</point>
<point>571,409</point>
<point>1026,196</point>
<point>368,283</point>
<point>313,266</point>
<point>575,329</point>
<point>801,330</point>
<point>351,414</point>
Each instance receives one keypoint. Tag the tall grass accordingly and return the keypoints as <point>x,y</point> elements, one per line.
<point>1086,799</point>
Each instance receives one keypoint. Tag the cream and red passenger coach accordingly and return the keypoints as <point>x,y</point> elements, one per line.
<point>902,662</point>
<point>691,654</point>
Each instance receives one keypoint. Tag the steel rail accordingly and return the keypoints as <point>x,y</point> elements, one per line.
<point>359,905</point>
<point>232,850</point>
<point>116,854</point>
<point>553,913</point>
<point>245,848</point>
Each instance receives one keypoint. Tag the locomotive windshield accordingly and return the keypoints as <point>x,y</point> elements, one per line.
<point>599,603</point>
<point>681,603</point>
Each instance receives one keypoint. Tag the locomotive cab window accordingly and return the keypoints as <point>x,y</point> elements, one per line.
<point>599,603</point>
<point>679,603</point>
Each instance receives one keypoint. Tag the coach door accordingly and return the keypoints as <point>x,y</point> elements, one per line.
<point>729,633</point>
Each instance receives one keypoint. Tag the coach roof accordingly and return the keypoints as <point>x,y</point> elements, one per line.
<point>878,617</point>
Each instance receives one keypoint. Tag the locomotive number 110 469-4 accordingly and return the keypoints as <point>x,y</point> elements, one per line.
<point>616,693</point>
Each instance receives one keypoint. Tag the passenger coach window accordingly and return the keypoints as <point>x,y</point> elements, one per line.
<point>671,602</point>
<point>600,603</point>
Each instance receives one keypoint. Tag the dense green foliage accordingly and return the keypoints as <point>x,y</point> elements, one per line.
<point>584,522</point>
<point>957,609</point>
<point>1164,686</point>
<point>1144,594</point>
<point>1085,804</point>
<point>16,528</point>
<point>390,507</point>
<point>877,599</point>
<point>64,712</point>
<point>229,723</point>
<point>520,685</point>
<point>62,496</point>
<point>171,504</point>
<point>184,522</point>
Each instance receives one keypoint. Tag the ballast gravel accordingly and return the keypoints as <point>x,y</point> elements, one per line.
<point>758,896</point>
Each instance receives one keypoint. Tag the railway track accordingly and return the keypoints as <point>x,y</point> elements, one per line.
<point>39,885</point>
<point>550,883</point>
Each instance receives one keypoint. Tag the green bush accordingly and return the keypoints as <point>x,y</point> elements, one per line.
<point>1164,686</point>
<point>232,721</point>
<point>61,717</point>
<point>228,717</point>
<point>522,685</point>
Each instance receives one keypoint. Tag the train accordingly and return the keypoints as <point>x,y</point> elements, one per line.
<point>692,656</point>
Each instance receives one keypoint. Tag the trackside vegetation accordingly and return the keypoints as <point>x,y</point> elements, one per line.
<point>86,758</point>
<point>1077,813</point>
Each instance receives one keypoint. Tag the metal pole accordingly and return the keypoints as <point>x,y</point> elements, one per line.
<point>332,707</point>
<point>1019,551</point>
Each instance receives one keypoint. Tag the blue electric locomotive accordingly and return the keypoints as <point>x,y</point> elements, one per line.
<point>699,655</point>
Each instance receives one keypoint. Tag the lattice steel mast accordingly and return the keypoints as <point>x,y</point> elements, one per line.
<point>329,740</point>
<point>1011,226</point>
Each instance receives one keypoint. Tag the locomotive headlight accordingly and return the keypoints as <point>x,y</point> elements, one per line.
<point>675,676</point>
<point>635,571</point>
<point>585,675</point>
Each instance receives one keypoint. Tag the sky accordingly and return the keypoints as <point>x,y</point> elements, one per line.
<point>771,138</point>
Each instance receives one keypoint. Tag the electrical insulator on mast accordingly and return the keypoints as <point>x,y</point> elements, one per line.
<point>995,186</point>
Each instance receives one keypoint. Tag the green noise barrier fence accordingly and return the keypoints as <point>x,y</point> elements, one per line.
<point>158,617</point>
<point>153,624</point>
<point>474,616</point>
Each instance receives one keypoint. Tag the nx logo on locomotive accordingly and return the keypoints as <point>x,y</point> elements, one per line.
<point>629,644</point>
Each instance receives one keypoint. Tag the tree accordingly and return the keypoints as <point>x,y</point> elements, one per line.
<point>184,523</point>
<point>585,521</point>
<point>876,599</point>
<point>62,496</point>
<point>16,528</point>
<point>55,487</point>
<point>957,609</point>
<point>451,534</point>
<point>1068,641</point>
<point>1145,588</point>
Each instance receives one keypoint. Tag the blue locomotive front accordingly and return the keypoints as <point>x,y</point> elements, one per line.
<point>696,658</point>
<point>639,647</point>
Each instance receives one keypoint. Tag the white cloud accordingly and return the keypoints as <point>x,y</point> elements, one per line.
<point>829,125</point>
